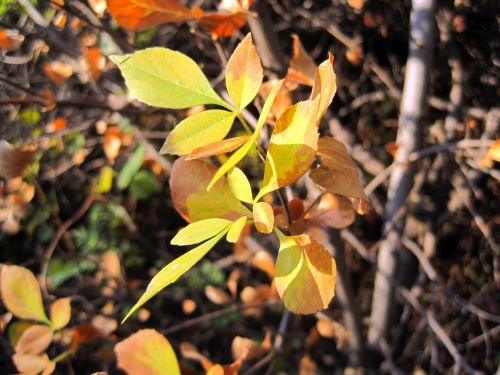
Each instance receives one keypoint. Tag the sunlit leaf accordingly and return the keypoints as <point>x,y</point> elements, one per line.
<point>147,352</point>
<point>220,25</point>
<point>198,130</point>
<point>283,98</point>
<point>164,78</point>
<point>235,230</point>
<point>263,217</point>
<point>239,185</point>
<point>60,313</point>
<point>175,269</point>
<point>188,183</point>
<point>34,340</point>
<point>21,293</point>
<point>244,73</point>
<point>325,86</point>
<point>217,148</point>
<point>338,173</point>
<point>141,14</point>
<point>292,147</point>
<point>241,152</point>
<point>33,364</point>
<point>200,231</point>
<point>332,211</point>
<point>305,274</point>
<point>13,161</point>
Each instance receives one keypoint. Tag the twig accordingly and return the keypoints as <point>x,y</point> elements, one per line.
<point>55,240</point>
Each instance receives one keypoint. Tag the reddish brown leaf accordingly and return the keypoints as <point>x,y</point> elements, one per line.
<point>13,161</point>
<point>217,148</point>
<point>141,14</point>
<point>302,67</point>
<point>331,210</point>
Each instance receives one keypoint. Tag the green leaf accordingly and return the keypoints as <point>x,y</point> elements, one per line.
<point>130,169</point>
<point>244,73</point>
<point>235,230</point>
<point>243,150</point>
<point>143,185</point>
<point>198,130</point>
<point>239,185</point>
<point>172,271</point>
<point>168,79</point>
<point>200,231</point>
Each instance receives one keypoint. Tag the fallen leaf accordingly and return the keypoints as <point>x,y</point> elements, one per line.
<point>140,15</point>
<point>216,295</point>
<point>58,71</point>
<point>246,349</point>
<point>264,262</point>
<point>188,306</point>
<point>147,352</point>
<point>302,67</point>
<point>105,324</point>
<point>10,39</point>
<point>13,161</point>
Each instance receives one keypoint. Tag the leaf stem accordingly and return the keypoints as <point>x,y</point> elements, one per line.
<point>63,355</point>
<point>244,123</point>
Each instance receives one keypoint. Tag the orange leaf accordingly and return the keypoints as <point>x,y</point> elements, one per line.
<point>189,351</point>
<point>244,348</point>
<point>13,161</point>
<point>60,313</point>
<point>10,39</point>
<point>58,71</point>
<point>188,184</point>
<point>217,148</point>
<point>302,67</point>
<point>140,14</point>
<point>216,295</point>
<point>305,274</point>
<point>283,98</point>
<point>221,25</point>
<point>147,352</point>
<point>264,262</point>
<point>34,340</point>
<point>95,61</point>
<point>338,173</point>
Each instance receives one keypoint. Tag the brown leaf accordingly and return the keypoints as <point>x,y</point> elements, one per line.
<point>331,210</point>
<point>338,173</point>
<point>85,333</point>
<point>302,67</point>
<point>139,15</point>
<point>245,348</point>
<point>189,351</point>
<point>34,340</point>
<point>220,25</point>
<point>13,161</point>
<point>217,148</point>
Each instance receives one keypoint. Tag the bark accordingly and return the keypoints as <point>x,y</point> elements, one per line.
<point>409,131</point>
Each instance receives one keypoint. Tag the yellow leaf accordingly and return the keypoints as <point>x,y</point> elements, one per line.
<point>168,79</point>
<point>197,131</point>
<point>188,183</point>
<point>34,340</point>
<point>147,352</point>
<point>21,293</point>
<point>235,230</point>
<point>60,313</point>
<point>239,185</point>
<point>175,269</point>
<point>305,274</point>
<point>217,148</point>
<point>244,73</point>
<point>263,217</point>
<point>338,173</point>
<point>140,15</point>
<point>240,154</point>
<point>292,147</point>
<point>325,86</point>
<point>200,231</point>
